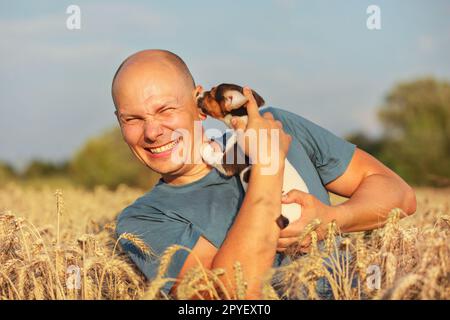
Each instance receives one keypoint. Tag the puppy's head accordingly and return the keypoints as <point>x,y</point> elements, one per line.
<point>225,100</point>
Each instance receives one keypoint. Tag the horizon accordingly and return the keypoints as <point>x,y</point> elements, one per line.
<point>318,60</point>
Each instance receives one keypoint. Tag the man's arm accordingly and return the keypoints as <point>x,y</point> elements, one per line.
<point>374,190</point>
<point>253,237</point>
<point>252,240</point>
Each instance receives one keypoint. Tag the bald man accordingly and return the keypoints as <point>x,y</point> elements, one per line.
<point>194,206</point>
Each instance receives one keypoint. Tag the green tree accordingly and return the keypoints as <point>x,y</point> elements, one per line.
<point>366,143</point>
<point>6,172</point>
<point>416,120</point>
<point>107,160</point>
<point>42,169</point>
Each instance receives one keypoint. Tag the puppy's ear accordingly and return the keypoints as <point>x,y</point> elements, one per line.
<point>198,94</point>
<point>259,100</point>
<point>233,99</point>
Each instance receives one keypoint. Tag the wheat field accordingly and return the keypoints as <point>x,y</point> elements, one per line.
<point>61,244</point>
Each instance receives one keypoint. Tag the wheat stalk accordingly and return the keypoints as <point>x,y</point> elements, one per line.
<point>35,252</point>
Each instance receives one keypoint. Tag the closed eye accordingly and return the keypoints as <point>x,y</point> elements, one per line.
<point>132,119</point>
<point>168,108</point>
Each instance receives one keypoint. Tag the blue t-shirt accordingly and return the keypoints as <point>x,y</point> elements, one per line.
<point>168,214</point>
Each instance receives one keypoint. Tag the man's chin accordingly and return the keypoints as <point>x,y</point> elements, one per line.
<point>167,169</point>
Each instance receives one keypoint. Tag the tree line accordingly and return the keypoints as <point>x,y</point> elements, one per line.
<point>415,143</point>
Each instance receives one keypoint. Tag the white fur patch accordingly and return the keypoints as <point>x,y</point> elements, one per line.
<point>209,155</point>
<point>291,178</point>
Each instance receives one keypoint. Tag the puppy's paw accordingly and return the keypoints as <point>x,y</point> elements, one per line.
<point>211,153</point>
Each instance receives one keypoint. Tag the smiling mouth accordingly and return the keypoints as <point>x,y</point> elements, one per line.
<point>164,148</point>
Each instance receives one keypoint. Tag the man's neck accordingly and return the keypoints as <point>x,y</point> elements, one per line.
<point>195,173</point>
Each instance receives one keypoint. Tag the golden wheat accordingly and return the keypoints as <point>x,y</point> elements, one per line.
<point>62,245</point>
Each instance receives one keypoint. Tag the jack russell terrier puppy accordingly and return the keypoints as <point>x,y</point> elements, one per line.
<point>222,103</point>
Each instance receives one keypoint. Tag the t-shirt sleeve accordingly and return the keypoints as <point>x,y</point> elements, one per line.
<point>159,232</point>
<point>329,153</point>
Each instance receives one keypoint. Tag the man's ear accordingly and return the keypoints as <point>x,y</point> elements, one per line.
<point>117,115</point>
<point>198,92</point>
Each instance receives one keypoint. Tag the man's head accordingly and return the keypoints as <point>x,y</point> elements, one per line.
<point>155,97</point>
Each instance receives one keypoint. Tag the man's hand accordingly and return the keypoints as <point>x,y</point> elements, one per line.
<point>373,191</point>
<point>312,208</point>
<point>252,239</point>
<point>255,136</point>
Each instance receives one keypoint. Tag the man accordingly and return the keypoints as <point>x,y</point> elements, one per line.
<point>194,206</point>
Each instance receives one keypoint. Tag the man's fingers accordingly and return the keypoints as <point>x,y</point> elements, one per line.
<point>286,242</point>
<point>279,124</point>
<point>238,123</point>
<point>252,106</point>
<point>297,196</point>
<point>268,115</point>
<point>293,229</point>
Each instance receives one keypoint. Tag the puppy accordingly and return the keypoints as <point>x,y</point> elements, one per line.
<point>222,103</point>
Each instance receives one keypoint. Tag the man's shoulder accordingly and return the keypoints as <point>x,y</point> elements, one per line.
<point>292,122</point>
<point>274,110</point>
<point>284,115</point>
<point>141,207</point>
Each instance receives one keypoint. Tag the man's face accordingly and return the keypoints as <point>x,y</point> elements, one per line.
<point>152,108</point>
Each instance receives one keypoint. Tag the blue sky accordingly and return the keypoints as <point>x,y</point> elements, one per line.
<point>315,58</point>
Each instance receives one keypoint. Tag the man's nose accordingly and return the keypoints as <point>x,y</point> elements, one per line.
<point>152,129</point>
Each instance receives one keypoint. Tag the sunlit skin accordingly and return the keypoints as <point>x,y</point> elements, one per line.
<point>152,102</point>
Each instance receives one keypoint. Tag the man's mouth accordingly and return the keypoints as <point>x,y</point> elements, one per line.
<point>164,148</point>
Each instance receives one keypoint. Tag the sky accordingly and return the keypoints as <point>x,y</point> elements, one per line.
<point>315,58</point>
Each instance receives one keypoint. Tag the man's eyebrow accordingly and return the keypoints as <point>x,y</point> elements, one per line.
<point>129,115</point>
<point>159,106</point>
